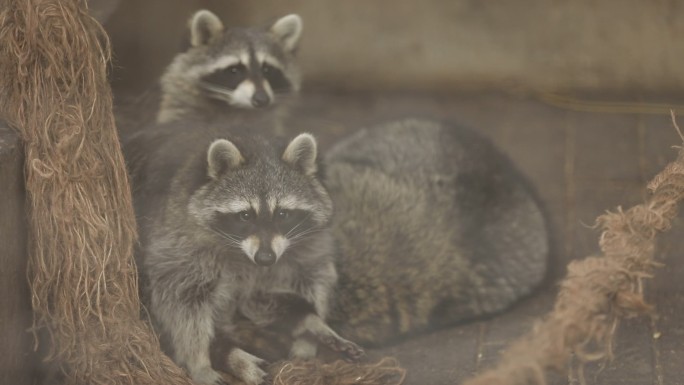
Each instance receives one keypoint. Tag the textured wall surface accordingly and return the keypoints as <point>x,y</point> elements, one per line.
<point>439,44</point>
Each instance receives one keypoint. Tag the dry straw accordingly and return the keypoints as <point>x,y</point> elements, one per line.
<point>597,291</point>
<point>385,372</point>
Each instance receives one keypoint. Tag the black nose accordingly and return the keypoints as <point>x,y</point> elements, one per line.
<point>264,258</point>
<point>260,99</point>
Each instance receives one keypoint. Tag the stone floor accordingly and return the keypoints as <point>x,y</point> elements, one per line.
<point>583,164</point>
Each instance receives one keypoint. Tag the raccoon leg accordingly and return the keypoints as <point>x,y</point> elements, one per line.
<point>190,331</point>
<point>304,348</point>
<point>181,307</point>
<point>226,356</point>
<point>314,325</point>
<point>298,316</point>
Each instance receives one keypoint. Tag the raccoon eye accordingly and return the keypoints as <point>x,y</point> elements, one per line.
<point>288,221</point>
<point>287,217</point>
<point>229,77</point>
<point>245,216</point>
<point>275,78</point>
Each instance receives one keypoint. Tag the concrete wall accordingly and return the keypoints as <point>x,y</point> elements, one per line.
<point>440,44</point>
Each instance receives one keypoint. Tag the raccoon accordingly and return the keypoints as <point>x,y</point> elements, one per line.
<point>232,227</point>
<point>237,73</point>
<point>434,227</point>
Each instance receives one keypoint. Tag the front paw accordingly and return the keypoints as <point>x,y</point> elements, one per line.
<point>207,376</point>
<point>303,348</point>
<point>246,367</point>
<point>351,350</point>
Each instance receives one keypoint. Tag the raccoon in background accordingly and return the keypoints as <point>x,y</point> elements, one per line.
<point>235,74</point>
<point>434,226</point>
<point>232,227</point>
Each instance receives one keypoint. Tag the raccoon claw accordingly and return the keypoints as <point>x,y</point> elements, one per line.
<point>351,350</point>
<point>268,379</point>
<point>263,364</point>
<point>354,352</point>
<point>247,367</point>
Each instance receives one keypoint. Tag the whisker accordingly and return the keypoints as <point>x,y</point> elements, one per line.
<point>297,225</point>
<point>293,229</point>
<point>217,91</point>
<point>233,240</point>
<point>303,235</point>
<point>224,234</point>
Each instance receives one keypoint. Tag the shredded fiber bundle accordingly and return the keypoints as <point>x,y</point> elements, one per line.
<point>597,291</point>
<point>385,372</point>
<point>54,91</point>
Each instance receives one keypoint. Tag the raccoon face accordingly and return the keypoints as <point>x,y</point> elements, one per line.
<point>259,206</point>
<point>245,68</point>
<point>264,236</point>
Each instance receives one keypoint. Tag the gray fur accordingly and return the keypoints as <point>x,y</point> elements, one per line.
<point>197,279</point>
<point>184,93</point>
<point>435,226</point>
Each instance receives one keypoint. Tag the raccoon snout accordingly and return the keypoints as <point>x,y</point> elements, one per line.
<point>264,258</point>
<point>260,99</point>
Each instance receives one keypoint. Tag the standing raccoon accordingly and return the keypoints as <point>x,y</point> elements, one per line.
<point>232,227</point>
<point>434,227</point>
<point>235,73</point>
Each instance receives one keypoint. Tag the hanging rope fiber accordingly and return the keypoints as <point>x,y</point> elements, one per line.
<point>598,291</point>
<point>54,92</point>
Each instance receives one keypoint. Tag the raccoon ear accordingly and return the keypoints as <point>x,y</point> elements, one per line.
<point>204,26</point>
<point>288,30</point>
<point>221,157</point>
<point>301,153</point>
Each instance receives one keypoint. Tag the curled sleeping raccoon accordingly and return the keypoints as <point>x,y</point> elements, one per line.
<point>232,227</point>
<point>434,226</point>
<point>238,73</point>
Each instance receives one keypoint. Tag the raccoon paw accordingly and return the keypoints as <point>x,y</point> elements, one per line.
<point>303,348</point>
<point>206,376</point>
<point>351,350</point>
<point>247,367</point>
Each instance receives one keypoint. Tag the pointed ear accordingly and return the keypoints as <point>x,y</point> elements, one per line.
<point>301,153</point>
<point>288,30</point>
<point>221,157</point>
<point>204,26</point>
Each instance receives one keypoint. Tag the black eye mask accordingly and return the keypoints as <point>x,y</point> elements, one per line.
<point>276,79</point>
<point>229,77</point>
